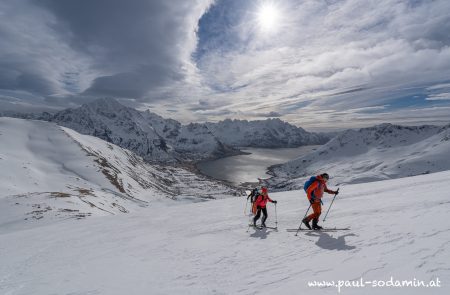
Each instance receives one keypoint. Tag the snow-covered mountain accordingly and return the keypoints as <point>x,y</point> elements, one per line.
<point>384,151</point>
<point>55,172</point>
<point>157,139</point>
<point>401,234</point>
<point>270,133</point>
<point>147,134</point>
<point>192,141</point>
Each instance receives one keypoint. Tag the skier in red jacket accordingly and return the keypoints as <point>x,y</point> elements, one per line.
<point>260,204</point>
<point>314,194</point>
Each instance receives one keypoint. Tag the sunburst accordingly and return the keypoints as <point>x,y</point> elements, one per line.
<point>268,16</point>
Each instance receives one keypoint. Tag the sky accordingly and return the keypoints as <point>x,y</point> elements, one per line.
<point>319,64</point>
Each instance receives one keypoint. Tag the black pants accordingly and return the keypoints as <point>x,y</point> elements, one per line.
<point>258,214</point>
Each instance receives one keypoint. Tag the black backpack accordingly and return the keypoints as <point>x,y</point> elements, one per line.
<point>253,195</point>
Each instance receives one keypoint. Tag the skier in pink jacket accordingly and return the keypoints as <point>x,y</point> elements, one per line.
<point>260,203</point>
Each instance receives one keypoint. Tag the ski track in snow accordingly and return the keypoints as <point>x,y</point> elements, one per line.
<point>397,229</point>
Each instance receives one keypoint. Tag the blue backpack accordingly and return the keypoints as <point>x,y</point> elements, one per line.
<point>309,182</point>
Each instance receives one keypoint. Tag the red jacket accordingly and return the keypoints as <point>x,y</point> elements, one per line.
<point>317,188</point>
<point>261,200</point>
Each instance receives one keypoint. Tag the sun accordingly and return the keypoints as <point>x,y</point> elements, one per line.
<point>268,16</point>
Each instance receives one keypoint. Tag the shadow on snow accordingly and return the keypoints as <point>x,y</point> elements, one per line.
<point>328,242</point>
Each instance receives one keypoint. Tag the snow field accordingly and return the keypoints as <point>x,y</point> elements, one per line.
<point>399,228</point>
<point>50,173</point>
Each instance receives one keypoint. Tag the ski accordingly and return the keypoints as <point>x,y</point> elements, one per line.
<point>317,230</point>
<point>260,227</point>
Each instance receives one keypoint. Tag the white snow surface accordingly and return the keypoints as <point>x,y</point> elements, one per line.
<point>52,173</point>
<point>137,240</point>
<point>399,228</point>
<point>381,152</point>
<point>38,156</point>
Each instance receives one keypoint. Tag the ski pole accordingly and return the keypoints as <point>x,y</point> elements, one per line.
<point>301,222</point>
<point>276,218</point>
<point>245,210</point>
<point>250,221</point>
<point>248,197</point>
<point>330,205</point>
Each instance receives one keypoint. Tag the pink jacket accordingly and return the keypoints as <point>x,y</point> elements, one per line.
<point>261,200</point>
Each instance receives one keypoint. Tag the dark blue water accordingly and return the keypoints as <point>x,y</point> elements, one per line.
<point>248,168</point>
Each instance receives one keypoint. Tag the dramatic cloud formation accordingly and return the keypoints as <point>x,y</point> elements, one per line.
<point>320,64</point>
<point>328,57</point>
<point>124,49</point>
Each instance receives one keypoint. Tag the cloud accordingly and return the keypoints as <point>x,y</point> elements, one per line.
<point>439,86</point>
<point>438,92</point>
<point>335,63</point>
<point>31,59</point>
<point>269,115</point>
<point>320,120</point>
<point>439,96</point>
<point>98,48</point>
<point>333,55</point>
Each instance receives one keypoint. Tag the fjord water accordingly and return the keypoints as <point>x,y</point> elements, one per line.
<point>248,168</point>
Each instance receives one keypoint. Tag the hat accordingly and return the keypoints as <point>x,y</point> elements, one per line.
<point>325,176</point>
<point>264,189</point>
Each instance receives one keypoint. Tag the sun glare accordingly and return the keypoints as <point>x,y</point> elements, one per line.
<point>268,16</point>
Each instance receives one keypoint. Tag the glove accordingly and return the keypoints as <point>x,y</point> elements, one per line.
<point>274,202</point>
<point>336,193</point>
<point>311,201</point>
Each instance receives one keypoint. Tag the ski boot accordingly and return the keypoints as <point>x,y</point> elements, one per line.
<point>263,222</point>
<point>315,226</point>
<point>306,222</point>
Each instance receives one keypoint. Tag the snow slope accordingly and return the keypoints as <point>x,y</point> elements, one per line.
<point>381,152</point>
<point>399,228</point>
<point>49,172</point>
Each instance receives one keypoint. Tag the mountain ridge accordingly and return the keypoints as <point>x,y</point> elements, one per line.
<point>158,139</point>
<point>381,152</point>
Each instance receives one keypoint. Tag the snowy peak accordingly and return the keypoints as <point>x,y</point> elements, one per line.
<point>154,138</point>
<point>193,141</point>
<point>445,133</point>
<point>389,134</point>
<point>381,152</point>
<point>381,136</point>
<point>115,123</point>
<point>270,133</point>
<point>105,104</point>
